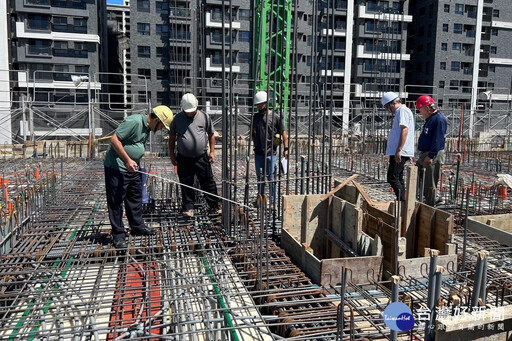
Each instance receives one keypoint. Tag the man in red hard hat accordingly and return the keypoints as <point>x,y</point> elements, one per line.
<point>431,147</point>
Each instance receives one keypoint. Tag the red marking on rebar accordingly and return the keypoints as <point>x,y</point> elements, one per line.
<point>134,282</point>
<point>503,192</point>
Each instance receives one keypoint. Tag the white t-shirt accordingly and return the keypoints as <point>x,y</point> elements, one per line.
<point>403,117</point>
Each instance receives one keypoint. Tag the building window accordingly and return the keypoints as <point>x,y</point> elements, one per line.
<point>455,66</point>
<point>457,28</point>
<point>61,72</point>
<point>144,51</point>
<point>142,96</point>
<point>143,29</point>
<point>60,48</point>
<point>60,24</point>
<point>162,30</point>
<point>441,84</point>
<point>454,84</point>
<point>81,50</point>
<point>494,31</point>
<point>457,47</point>
<point>244,14</point>
<point>459,9</point>
<point>447,8</point>
<point>245,36</point>
<point>244,57</point>
<point>145,73</point>
<point>82,69</point>
<point>496,13</point>
<point>444,47</point>
<point>80,25</point>
<point>492,68</point>
<point>494,50</point>
<point>39,47</point>
<point>162,74</point>
<point>442,65</point>
<point>445,27</point>
<point>162,7</point>
<point>38,22</point>
<point>143,5</point>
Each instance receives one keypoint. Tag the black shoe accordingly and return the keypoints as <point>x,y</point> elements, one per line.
<point>145,231</point>
<point>120,241</point>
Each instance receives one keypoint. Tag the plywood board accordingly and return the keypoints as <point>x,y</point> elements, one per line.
<point>386,217</point>
<point>491,232</point>
<point>418,267</point>
<point>358,269</point>
<point>294,215</point>
<point>424,228</point>
<point>443,230</point>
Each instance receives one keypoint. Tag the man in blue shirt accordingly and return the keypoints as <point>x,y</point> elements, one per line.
<point>431,146</point>
<point>400,147</point>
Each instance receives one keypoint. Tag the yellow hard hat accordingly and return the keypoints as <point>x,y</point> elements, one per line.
<point>164,114</point>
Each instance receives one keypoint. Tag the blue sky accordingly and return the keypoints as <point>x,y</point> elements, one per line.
<point>115,2</point>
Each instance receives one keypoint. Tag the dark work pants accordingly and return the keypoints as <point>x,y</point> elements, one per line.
<point>396,176</point>
<point>124,187</point>
<point>202,168</point>
<point>432,174</point>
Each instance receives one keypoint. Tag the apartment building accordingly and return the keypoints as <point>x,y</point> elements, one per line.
<point>48,41</point>
<point>461,55</point>
<point>349,52</point>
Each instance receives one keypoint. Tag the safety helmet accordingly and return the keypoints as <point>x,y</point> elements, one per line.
<point>164,114</point>
<point>260,97</point>
<point>189,102</point>
<point>424,101</point>
<point>388,98</point>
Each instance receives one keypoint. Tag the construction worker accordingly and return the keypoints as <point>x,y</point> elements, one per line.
<point>400,147</point>
<point>190,134</point>
<point>122,181</point>
<point>267,133</point>
<point>431,147</point>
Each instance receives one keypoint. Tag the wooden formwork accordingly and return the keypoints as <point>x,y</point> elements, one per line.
<point>322,234</point>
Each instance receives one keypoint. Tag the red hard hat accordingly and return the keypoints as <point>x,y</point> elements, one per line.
<point>423,101</point>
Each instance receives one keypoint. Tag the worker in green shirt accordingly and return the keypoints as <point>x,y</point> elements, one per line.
<point>122,181</point>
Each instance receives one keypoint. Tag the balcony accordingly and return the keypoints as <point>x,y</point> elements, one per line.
<point>337,32</point>
<point>22,33</point>
<point>218,68</point>
<point>363,14</point>
<point>218,24</point>
<point>361,53</point>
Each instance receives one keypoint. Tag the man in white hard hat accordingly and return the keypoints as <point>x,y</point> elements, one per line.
<point>267,133</point>
<point>400,147</point>
<point>192,150</point>
<point>122,181</point>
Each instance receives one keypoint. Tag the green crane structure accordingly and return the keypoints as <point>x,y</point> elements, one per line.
<point>272,55</point>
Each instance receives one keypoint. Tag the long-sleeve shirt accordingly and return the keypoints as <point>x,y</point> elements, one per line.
<point>433,135</point>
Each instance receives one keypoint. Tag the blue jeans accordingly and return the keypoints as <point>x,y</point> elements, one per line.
<point>259,161</point>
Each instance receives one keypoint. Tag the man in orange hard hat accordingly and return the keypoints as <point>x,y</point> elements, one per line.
<point>431,147</point>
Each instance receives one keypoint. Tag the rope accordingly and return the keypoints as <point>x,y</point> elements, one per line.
<point>196,189</point>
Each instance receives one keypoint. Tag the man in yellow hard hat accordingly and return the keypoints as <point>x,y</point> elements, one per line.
<point>122,181</point>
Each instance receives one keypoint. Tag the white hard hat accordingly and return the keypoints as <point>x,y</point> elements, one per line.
<point>189,103</point>
<point>388,97</point>
<point>260,97</point>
